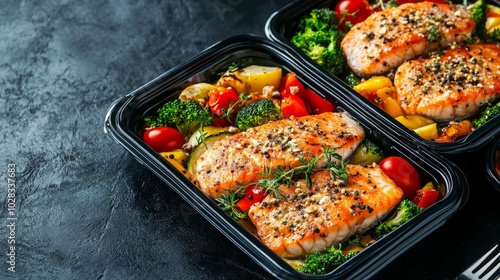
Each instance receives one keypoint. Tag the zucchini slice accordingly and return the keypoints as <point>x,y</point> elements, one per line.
<point>201,148</point>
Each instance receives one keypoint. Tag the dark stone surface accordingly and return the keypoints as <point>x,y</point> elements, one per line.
<point>85,208</point>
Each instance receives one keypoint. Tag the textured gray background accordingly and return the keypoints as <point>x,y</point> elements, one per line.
<point>86,209</point>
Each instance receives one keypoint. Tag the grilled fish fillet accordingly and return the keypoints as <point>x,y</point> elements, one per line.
<point>450,86</point>
<point>389,37</point>
<point>241,158</point>
<point>311,220</point>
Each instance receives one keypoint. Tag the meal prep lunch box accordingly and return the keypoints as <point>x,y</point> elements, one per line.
<point>125,116</point>
<point>281,27</point>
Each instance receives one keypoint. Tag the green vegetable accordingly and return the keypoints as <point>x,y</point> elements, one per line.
<point>352,79</point>
<point>405,211</point>
<point>257,113</point>
<point>478,11</point>
<point>319,38</point>
<point>487,114</point>
<point>186,116</point>
<point>367,153</point>
<point>319,19</point>
<point>325,261</point>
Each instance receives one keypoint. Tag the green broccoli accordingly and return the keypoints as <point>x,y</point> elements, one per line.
<point>367,153</point>
<point>187,116</point>
<point>319,19</point>
<point>478,13</point>
<point>487,114</point>
<point>478,10</point>
<point>352,79</point>
<point>257,113</point>
<point>405,211</point>
<point>319,38</point>
<point>325,261</point>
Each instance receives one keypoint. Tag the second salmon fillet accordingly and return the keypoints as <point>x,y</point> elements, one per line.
<point>240,159</point>
<point>452,85</point>
<point>310,220</point>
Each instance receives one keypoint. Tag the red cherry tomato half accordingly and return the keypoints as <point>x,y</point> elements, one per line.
<point>163,138</point>
<point>318,104</point>
<point>353,11</point>
<point>253,194</point>
<point>220,100</point>
<point>293,106</point>
<point>402,173</point>
<point>425,198</point>
<point>290,85</point>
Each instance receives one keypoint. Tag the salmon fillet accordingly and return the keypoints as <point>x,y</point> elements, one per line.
<point>387,38</point>
<point>241,158</point>
<point>310,220</point>
<point>450,86</point>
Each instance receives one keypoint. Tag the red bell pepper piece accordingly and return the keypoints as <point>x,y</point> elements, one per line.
<point>425,198</point>
<point>253,194</point>
<point>318,104</point>
<point>293,106</point>
<point>219,102</point>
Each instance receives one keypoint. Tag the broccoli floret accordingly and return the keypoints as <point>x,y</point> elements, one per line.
<point>319,38</point>
<point>352,79</point>
<point>367,153</point>
<point>319,19</point>
<point>478,13</point>
<point>325,261</point>
<point>186,116</point>
<point>487,114</point>
<point>405,211</point>
<point>257,113</point>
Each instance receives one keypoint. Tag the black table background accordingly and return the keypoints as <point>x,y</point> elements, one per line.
<point>85,208</point>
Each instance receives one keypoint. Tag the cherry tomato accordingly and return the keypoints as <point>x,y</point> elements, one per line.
<point>425,198</point>
<point>163,138</point>
<point>402,173</point>
<point>220,100</point>
<point>318,104</point>
<point>293,106</point>
<point>353,11</point>
<point>290,85</point>
<point>253,194</point>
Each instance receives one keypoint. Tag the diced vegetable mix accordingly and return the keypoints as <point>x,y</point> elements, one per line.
<point>320,32</point>
<point>205,113</point>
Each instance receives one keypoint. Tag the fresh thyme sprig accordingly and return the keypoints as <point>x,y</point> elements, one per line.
<point>228,204</point>
<point>273,178</point>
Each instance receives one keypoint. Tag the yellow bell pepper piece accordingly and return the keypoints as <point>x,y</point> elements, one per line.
<point>373,84</point>
<point>178,159</point>
<point>391,106</point>
<point>414,121</point>
<point>427,132</point>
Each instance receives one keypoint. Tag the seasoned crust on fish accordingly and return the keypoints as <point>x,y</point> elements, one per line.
<point>241,158</point>
<point>388,38</point>
<point>452,85</point>
<point>310,220</point>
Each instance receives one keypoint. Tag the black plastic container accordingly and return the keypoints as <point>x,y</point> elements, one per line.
<point>280,28</point>
<point>124,119</point>
<point>492,161</point>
